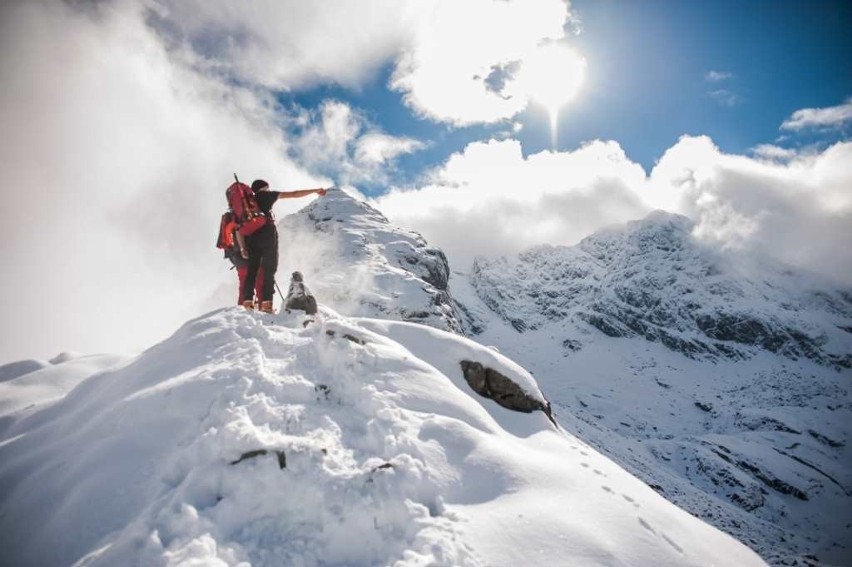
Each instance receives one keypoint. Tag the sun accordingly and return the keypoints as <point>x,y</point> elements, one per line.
<point>552,76</point>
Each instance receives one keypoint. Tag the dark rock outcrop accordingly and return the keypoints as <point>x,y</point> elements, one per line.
<point>495,386</point>
<point>279,455</point>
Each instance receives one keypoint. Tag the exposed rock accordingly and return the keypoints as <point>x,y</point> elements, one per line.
<point>282,458</point>
<point>347,336</point>
<point>771,481</point>
<point>495,386</point>
<point>825,439</point>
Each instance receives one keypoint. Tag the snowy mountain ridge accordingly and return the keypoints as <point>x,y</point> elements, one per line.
<point>249,439</point>
<point>651,279</point>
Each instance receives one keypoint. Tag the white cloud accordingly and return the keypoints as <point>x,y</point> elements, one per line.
<point>717,76</point>
<point>443,51</point>
<point>725,97</point>
<point>831,117</point>
<point>447,71</point>
<point>284,44</point>
<point>773,152</point>
<point>378,148</point>
<point>799,212</point>
<point>340,142</point>
<point>130,116</point>
<point>490,200</point>
<point>114,179</point>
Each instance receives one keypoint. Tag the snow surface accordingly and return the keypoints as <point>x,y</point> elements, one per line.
<point>388,459</point>
<point>31,383</point>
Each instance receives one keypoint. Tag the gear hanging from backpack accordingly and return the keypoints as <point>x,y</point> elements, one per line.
<point>230,241</point>
<point>227,226</point>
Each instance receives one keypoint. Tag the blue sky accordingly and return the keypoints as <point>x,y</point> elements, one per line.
<point>650,81</point>
<point>130,117</point>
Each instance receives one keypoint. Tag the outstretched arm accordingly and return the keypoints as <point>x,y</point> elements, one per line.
<point>301,193</point>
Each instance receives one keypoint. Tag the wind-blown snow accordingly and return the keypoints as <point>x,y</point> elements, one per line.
<point>253,439</point>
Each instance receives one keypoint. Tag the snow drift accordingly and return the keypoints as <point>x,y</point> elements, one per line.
<point>247,439</point>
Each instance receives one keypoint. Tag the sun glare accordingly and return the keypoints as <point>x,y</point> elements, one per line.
<point>552,76</point>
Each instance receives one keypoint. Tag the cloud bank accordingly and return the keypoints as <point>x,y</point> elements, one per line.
<point>491,200</point>
<point>114,179</point>
<point>337,140</point>
<point>443,52</point>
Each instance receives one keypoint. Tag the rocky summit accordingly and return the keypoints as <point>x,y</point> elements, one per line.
<point>364,266</point>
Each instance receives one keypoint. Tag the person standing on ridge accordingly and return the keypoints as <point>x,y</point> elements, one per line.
<point>236,252</point>
<point>262,245</point>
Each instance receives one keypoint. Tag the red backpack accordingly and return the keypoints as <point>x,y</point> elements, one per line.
<point>246,211</point>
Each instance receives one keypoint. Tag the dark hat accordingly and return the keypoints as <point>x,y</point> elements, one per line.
<point>259,185</point>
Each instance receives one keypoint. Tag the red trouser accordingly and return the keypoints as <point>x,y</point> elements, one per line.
<point>258,286</point>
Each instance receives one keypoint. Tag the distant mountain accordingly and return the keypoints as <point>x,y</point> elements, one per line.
<point>362,265</point>
<point>652,280</point>
<point>722,381</point>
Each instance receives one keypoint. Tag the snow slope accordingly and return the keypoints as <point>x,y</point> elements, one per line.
<point>724,384</point>
<point>248,439</point>
<point>31,383</point>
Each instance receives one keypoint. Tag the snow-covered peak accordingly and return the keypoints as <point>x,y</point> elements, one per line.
<point>659,230</point>
<point>339,206</point>
<point>248,439</point>
<point>652,278</point>
<point>362,265</point>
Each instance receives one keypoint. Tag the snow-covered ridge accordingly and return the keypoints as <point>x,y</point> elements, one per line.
<point>364,266</point>
<point>247,439</point>
<point>651,279</point>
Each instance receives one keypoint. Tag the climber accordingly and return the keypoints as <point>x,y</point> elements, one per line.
<point>262,245</point>
<point>232,243</point>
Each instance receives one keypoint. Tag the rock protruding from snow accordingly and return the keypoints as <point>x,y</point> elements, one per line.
<point>361,265</point>
<point>652,279</point>
<point>495,386</point>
